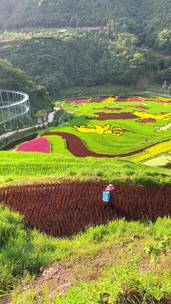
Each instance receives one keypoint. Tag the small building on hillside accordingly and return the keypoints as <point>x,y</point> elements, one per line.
<point>42,117</point>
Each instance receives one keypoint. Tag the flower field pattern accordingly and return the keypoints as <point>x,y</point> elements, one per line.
<point>116,116</point>
<point>131,126</point>
<point>79,149</point>
<point>106,130</point>
<point>153,116</point>
<point>40,145</point>
<point>80,101</point>
<point>132,99</point>
<point>148,120</point>
<point>154,151</point>
<point>68,208</point>
<point>86,100</point>
<point>110,127</point>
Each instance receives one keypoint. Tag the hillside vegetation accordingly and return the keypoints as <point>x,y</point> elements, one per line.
<point>131,45</point>
<point>60,60</point>
<point>132,257</point>
<point>12,78</point>
<point>55,13</point>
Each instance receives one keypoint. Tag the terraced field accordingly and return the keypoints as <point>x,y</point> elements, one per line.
<point>57,188</point>
<point>136,128</point>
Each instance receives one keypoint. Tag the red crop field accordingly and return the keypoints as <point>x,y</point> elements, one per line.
<point>66,209</point>
<point>80,101</point>
<point>148,120</point>
<point>133,99</point>
<point>110,116</point>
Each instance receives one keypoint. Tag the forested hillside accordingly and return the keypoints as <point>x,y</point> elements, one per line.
<point>122,42</point>
<point>66,12</point>
<point>131,14</point>
<point>15,79</point>
<point>86,60</point>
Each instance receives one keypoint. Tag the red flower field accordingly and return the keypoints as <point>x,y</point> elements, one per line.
<point>80,101</point>
<point>100,99</point>
<point>148,120</point>
<point>133,99</point>
<point>111,116</point>
<point>136,99</point>
<point>40,145</point>
<point>86,100</point>
<point>68,208</point>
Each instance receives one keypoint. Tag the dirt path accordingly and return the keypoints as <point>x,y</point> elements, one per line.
<point>60,277</point>
<point>78,148</point>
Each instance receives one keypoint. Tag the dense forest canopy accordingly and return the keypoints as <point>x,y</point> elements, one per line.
<point>86,60</point>
<point>117,42</point>
<point>64,13</point>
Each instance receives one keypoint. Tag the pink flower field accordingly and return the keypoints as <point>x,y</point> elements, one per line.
<point>40,145</point>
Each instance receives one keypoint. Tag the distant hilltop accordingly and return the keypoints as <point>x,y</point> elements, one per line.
<point>131,14</point>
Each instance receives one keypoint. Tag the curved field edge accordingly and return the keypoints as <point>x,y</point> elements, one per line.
<point>64,209</point>
<point>79,149</point>
<point>129,141</point>
<point>106,260</point>
<point>153,151</point>
<point>18,167</point>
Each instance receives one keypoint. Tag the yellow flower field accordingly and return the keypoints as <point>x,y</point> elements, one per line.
<point>106,130</point>
<point>110,99</point>
<point>153,151</point>
<point>145,115</point>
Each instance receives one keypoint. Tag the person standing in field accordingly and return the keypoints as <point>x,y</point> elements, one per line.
<point>108,194</point>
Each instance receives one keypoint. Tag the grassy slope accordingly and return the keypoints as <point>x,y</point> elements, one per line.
<point>104,260</point>
<point>134,255</point>
<point>18,167</point>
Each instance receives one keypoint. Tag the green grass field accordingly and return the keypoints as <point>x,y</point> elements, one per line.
<point>133,256</point>
<point>30,167</point>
